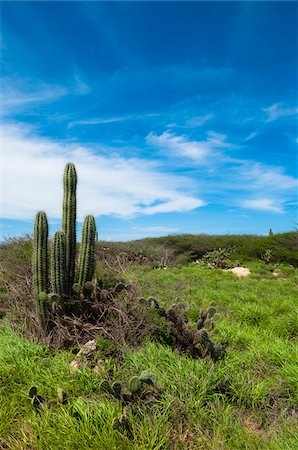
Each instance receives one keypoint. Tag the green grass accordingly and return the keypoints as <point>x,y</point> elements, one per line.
<point>253,410</point>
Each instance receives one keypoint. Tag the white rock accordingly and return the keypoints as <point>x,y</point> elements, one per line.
<point>240,271</point>
<point>75,364</point>
<point>88,348</point>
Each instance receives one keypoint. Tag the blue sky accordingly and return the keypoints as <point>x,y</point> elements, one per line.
<point>180,117</point>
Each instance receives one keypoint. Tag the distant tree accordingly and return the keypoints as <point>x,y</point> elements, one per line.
<point>270,232</point>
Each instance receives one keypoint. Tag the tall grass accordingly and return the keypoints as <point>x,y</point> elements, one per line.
<point>247,400</point>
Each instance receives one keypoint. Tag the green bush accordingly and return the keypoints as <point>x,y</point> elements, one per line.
<point>219,258</point>
<point>283,246</point>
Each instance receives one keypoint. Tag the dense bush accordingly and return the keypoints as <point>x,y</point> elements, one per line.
<point>218,258</point>
<point>180,249</point>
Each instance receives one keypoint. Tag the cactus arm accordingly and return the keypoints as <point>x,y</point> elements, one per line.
<point>40,253</point>
<point>87,258</point>
<point>69,221</point>
<point>58,264</point>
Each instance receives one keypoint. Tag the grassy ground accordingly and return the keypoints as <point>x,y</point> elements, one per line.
<point>248,400</point>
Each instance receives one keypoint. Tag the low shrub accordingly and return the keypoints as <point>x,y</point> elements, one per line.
<point>219,258</point>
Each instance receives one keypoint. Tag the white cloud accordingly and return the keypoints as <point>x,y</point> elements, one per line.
<point>112,119</point>
<point>262,177</point>
<point>256,186</point>
<point>277,111</point>
<point>21,94</point>
<point>16,94</point>
<point>252,135</point>
<point>192,122</point>
<point>156,229</point>
<point>178,204</point>
<point>230,179</point>
<point>32,169</point>
<point>99,121</point>
<point>179,145</point>
<point>218,140</point>
<point>263,204</point>
<point>199,151</point>
<point>198,121</point>
<point>80,87</point>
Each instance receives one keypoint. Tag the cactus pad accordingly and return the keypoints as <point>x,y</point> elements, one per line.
<point>135,385</point>
<point>116,389</point>
<point>147,377</point>
<point>105,387</point>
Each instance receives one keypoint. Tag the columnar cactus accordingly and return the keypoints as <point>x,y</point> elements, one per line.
<point>58,263</point>
<point>40,262</point>
<point>69,222</point>
<point>63,253</point>
<point>87,257</point>
<point>40,253</point>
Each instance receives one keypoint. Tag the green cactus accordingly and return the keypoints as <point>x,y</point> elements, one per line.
<point>208,324</point>
<point>172,315</point>
<point>116,389</point>
<point>77,288</point>
<point>55,298</point>
<point>63,253</point>
<point>42,300</point>
<point>40,253</point>
<point>58,264</point>
<point>204,337</point>
<point>147,377</point>
<point>40,261</point>
<point>105,387</point>
<point>211,311</point>
<point>135,384</point>
<point>55,302</point>
<point>87,257</point>
<point>69,222</point>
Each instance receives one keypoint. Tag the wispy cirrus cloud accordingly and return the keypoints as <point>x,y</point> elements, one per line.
<point>16,95</point>
<point>245,183</point>
<point>200,151</point>
<point>112,185</point>
<point>264,204</point>
<point>80,86</point>
<point>251,136</point>
<point>263,188</point>
<point>278,111</point>
<point>192,122</point>
<point>156,229</point>
<point>259,176</point>
<point>112,119</point>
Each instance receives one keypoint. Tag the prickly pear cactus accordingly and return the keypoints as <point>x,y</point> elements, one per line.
<point>204,337</point>
<point>135,384</point>
<point>116,389</point>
